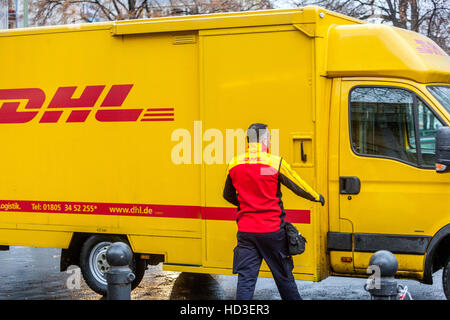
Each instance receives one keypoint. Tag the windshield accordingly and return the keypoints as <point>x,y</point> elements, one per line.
<point>442,94</point>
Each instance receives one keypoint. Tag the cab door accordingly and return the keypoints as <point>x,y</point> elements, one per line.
<point>388,187</point>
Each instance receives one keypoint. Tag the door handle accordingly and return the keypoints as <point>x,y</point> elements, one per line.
<point>303,154</point>
<point>349,185</point>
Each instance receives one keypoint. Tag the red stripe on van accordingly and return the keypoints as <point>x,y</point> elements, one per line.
<point>139,210</point>
<point>220,213</point>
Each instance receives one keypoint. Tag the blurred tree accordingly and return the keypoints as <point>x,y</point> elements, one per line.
<point>429,17</point>
<point>73,11</point>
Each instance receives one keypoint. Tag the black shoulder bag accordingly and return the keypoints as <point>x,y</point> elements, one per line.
<point>296,242</point>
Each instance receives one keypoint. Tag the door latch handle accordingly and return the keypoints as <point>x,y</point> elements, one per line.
<point>349,185</point>
<point>303,154</point>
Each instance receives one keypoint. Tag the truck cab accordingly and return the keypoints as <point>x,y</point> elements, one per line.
<point>390,98</point>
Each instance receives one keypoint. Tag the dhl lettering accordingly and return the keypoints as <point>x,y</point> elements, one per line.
<point>117,95</point>
<point>63,97</point>
<point>110,109</point>
<point>118,115</point>
<point>8,110</point>
<point>429,48</point>
<point>134,209</point>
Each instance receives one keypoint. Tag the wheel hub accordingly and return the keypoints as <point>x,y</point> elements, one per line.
<point>97,262</point>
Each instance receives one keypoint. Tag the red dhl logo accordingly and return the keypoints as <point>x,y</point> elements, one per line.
<point>110,109</point>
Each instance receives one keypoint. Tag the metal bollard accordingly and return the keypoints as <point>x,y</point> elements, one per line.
<point>119,276</point>
<point>383,286</point>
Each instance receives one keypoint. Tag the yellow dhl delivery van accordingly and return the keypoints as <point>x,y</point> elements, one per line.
<point>116,131</point>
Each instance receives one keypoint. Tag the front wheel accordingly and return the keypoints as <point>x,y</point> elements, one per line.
<point>94,266</point>
<point>446,278</point>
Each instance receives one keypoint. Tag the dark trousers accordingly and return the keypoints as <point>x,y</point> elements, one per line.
<point>248,255</point>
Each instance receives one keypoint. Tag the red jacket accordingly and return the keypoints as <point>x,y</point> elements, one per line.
<point>253,185</point>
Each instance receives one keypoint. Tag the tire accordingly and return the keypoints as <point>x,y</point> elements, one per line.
<point>94,266</point>
<point>446,279</point>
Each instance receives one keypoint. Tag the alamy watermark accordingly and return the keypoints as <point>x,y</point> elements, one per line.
<point>213,146</point>
<point>374,280</point>
<point>73,281</point>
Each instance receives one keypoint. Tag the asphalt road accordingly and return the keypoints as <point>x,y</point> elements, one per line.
<point>33,273</point>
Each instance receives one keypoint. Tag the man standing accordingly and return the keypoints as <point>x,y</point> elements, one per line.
<point>253,185</point>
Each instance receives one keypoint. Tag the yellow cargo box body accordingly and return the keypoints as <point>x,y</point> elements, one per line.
<point>93,111</point>
<point>121,129</point>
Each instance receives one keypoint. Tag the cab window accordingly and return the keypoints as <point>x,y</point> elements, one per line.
<point>428,125</point>
<point>442,94</point>
<point>392,123</point>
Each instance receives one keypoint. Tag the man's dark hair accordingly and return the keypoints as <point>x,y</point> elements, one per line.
<point>255,131</point>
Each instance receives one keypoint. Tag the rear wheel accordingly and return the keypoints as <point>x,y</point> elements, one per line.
<point>446,278</point>
<point>94,266</point>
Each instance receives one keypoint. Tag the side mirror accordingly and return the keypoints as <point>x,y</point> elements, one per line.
<point>443,150</point>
